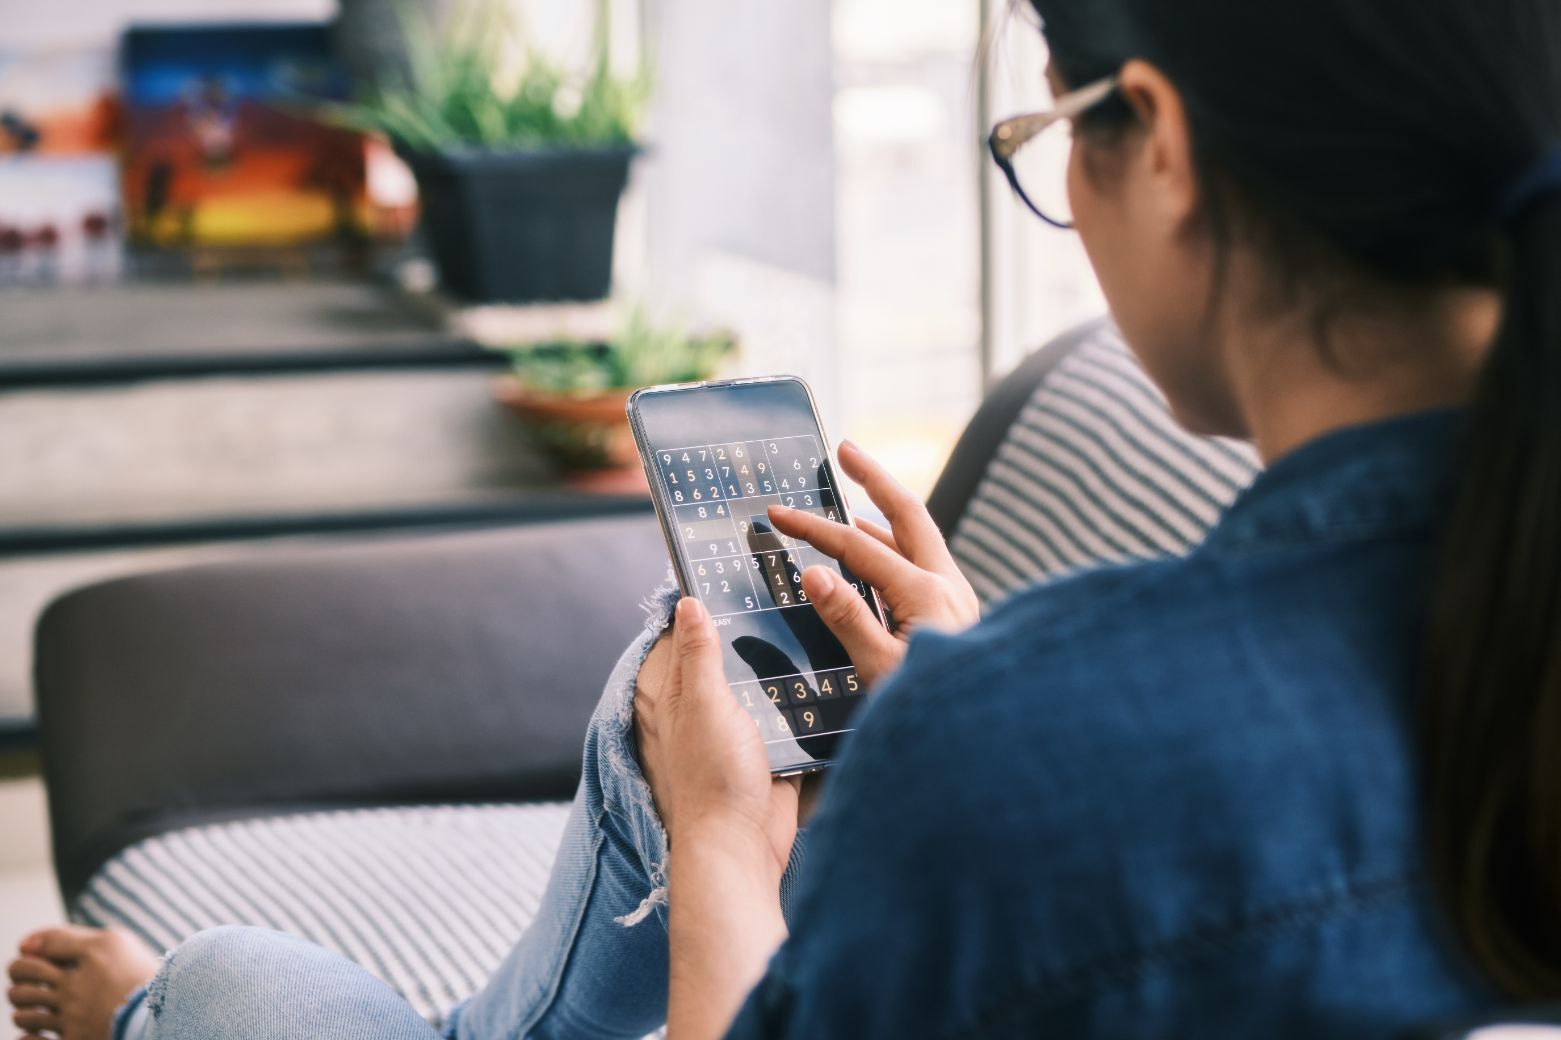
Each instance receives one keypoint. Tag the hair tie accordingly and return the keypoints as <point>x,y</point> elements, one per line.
<point>1541,179</point>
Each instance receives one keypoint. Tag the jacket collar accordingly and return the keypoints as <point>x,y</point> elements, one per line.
<point>1366,481</point>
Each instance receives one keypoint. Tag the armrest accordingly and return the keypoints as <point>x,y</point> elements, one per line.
<point>437,668</point>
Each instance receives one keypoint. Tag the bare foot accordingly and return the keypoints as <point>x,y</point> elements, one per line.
<point>70,980</point>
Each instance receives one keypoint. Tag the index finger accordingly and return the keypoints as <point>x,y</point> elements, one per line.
<point>861,553</point>
<point>913,527</point>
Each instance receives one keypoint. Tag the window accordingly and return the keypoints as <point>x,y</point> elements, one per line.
<point>1039,281</point>
<point>907,218</point>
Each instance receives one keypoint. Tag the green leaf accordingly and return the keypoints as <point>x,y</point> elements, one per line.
<point>642,353</point>
<point>454,97</point>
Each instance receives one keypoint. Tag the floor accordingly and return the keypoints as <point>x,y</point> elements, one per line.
<point>28,897</point>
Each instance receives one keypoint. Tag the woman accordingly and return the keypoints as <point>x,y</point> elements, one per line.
<point>1297,783</point>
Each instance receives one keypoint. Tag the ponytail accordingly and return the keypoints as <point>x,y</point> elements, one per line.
<point>1492,714</point>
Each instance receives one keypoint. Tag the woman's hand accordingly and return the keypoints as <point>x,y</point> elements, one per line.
<point>730,827</point>
<point>701,752</point>
<point>909,565</point>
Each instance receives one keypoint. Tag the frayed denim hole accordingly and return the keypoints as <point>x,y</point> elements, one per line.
<point>157,989</point>
<point>638,817</point>
<point>617,740</point>
<point>626,795</point>
<point>659,605</point>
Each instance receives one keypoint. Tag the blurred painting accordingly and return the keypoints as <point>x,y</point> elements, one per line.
<point>56,102</point>
<point>222,146</point>
<point>59,191</point>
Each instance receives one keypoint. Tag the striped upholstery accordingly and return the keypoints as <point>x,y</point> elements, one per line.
<point>1094,470</point>
<point>430,899</point>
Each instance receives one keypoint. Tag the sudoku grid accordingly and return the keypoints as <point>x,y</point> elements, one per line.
<point>739,564</point>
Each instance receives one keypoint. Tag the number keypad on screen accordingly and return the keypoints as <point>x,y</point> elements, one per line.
<point>801,705</point>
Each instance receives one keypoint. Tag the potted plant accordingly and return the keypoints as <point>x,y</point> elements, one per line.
<point>519,169</point>
<point>573,395</point>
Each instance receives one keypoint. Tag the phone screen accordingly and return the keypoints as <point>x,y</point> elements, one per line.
<point>717,457</point>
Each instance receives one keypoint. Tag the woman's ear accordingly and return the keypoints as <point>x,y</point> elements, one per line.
<point>1164,164</point>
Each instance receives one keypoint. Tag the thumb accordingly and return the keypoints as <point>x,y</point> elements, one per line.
<point>871,648</point>
<point>698,652</point>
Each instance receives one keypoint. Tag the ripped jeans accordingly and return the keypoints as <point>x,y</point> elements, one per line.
<point>592,964</point>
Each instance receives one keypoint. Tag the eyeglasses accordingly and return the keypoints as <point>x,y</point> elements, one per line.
<point>1039,174</point>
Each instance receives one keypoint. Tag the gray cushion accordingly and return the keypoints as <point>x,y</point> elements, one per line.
<point>433,669</point>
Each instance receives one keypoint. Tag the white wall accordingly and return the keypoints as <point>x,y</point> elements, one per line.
<point>77,23</point>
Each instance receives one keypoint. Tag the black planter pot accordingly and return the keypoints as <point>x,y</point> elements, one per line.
<point>522,226</point>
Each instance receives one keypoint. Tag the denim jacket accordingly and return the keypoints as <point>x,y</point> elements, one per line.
<point>1169,799</point>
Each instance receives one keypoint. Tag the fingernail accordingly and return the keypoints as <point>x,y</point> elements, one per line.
<point>849,445</point>
<point>31,944</point>
<point>823,582</point>
<point>690,610</point>
<point>778,508</point>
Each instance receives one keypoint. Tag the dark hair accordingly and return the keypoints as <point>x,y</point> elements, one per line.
<point>1375,138</point>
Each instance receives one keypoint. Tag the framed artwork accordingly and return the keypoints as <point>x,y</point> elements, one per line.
<point>59,195</point>
<point>222,144</point>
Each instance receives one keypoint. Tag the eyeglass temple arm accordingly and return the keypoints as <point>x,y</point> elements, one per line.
<point>1011,134</point>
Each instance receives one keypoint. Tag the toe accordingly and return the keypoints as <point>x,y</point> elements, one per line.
<point>38,1020</point>
<point>33,995</point>
<point>35,969</point>
<point>62,945</point>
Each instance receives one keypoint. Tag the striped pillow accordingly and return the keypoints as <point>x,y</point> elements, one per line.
<point>1093,471</point>
<point>430,899</point>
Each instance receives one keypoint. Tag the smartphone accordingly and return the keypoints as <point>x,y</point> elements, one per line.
<point>717,456</point>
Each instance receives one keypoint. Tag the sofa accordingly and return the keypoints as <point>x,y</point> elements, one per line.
<point>373,746</point>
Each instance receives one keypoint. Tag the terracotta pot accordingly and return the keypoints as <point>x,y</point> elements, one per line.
<point>584,434</point>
